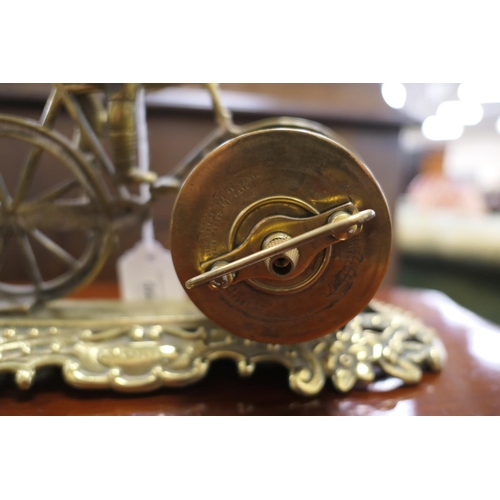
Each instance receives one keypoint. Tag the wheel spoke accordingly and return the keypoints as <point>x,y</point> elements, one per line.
<point>5,198</point>
<point>54,248</point>
<point>58,191</point>
<point>31,263</point>
<point>27,175</point>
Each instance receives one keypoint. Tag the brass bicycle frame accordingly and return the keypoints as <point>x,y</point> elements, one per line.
<point>111,205</point>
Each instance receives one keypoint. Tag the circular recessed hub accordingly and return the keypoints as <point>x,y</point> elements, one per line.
<point>267,179</point>
<point>284,263</point>
<point>287,206</point>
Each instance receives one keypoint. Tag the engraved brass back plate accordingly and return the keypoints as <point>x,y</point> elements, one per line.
<point>272,186</point>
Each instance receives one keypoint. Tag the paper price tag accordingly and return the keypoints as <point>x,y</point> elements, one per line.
<point>146,272</point>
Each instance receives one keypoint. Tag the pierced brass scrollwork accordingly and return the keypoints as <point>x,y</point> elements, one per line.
<point>153,347</point>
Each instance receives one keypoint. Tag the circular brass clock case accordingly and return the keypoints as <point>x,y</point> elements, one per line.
<point>260,190</point>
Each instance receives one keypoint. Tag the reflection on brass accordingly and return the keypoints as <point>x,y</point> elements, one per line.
<point>108,344</point>
<point>293,181</point>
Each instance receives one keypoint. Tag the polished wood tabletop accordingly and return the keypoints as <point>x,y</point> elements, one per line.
<point>469,383</point>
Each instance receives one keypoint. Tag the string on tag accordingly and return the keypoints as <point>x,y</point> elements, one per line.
<point>147,234</point>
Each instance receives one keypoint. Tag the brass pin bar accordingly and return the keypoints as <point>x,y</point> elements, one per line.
<point>249,260</point>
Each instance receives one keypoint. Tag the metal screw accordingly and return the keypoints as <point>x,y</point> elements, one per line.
<point>343,235</point>
<point>225,280</point>
<point>285,263</point>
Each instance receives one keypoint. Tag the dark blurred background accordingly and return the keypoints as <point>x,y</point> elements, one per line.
<point>434,148</point>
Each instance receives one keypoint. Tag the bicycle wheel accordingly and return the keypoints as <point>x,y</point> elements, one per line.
<point>54,214</point>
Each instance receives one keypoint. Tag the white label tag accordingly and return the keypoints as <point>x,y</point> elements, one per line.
<point>146,272</point>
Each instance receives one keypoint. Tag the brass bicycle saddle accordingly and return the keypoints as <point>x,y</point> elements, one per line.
<point>280,235</point>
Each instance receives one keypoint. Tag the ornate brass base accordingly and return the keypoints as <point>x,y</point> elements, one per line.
<point>142,346</point>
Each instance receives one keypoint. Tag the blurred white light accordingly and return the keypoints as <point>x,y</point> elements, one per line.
<point>394,94</point>
<point>497,125</point>
<point>466,113</point>
<point>439,129</point>
<point>479,92</point>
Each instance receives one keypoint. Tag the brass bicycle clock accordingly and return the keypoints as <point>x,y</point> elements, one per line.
<point>280,234</point>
